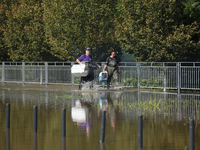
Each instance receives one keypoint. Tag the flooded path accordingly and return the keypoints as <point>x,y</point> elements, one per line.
<point>165,118</point>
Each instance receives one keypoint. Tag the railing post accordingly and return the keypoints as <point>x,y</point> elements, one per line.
<point>165,80</point>
<point>46,73</point>
<point>178,76</point>
<point>138,72</point>
<point>35,119</point>
<point>72,76</point>
<point>23,72</point>
<point>179,70</point>
<point>8,116</point>
<point>40,74</point>
<point>3,72</point>
<point>140,131</point>
<point>63,129</point>
<point>63,122</point>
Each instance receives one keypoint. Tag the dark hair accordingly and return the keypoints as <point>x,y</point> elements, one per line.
<point>113,50</point>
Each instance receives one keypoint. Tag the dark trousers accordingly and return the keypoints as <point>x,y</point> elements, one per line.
<point>89,77</point>
<point>112,73</point>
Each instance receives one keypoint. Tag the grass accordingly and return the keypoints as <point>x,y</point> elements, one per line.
<point>190,108</point>
<point>147,105</point>
<point>67,96</point>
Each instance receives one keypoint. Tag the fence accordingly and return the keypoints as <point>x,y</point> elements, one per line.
<point>165,75</point>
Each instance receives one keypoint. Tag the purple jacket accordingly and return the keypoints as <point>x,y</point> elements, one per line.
<point>84,56</point>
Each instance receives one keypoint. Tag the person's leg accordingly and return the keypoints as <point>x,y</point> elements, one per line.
<point>109,77</point>
<point>115,77</point>
<point>108,82</point>
<point>80,84</point>
<point>90,79</point>
<point>83,79</point>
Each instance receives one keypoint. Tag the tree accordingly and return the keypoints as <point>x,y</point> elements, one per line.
<point>153,31</point>
<point>71,26</point>
<point>3,49</point>
<point>24,34</point>
<point>191,11</point>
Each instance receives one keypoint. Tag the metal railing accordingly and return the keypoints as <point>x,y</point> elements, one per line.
<point>166,75</point>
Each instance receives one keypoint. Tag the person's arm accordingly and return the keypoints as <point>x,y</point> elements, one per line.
<point>81,58</point>
<point>96,63</point>
<point>118,68</point>
<point>104,68</point>
<point>117,65</point>
<point>78,61</point>
<point>107,61</point>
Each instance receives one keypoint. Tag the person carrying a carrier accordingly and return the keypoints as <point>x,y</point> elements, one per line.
<point>112,65</point>
<point>83,59</point>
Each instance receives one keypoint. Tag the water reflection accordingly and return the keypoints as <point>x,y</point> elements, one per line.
<point>7,139</point>
<point>82,116</point>
<point>166,118</point>
<point>102,146</point>
<point>103,101</point>
<point>63,143</point>
<point>113,111</point>
<point>81,111</point>
<point>35,141</point>
<point>180,106</point>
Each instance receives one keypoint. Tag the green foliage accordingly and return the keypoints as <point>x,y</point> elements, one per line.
<point>129,82</point>
<point>77,80</point>
<point>24,34</point>
<point>154,31</point>
<point>150,30</point>
<point>3,49</point>
<point>161,105</point>
<point>72,26</point>
<point>66,96</point>
<point>192,9</point>
<point>150,82</point>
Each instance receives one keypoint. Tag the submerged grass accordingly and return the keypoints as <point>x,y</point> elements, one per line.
<point>66,96</point>
<point>164,105</point>
<point>147,105</point>
<point>188,108</point>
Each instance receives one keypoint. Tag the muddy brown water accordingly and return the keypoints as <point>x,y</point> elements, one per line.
<point>165,118</point>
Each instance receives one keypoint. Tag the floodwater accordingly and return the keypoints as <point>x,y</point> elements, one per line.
<point>165,118</point>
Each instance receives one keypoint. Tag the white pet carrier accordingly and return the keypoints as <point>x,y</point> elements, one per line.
<point>103,76</point>
<point>81,70</point>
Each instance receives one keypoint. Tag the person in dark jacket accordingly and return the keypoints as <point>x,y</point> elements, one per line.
<point>112,65</point>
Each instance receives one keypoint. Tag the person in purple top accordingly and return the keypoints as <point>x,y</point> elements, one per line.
<point>86,57</point>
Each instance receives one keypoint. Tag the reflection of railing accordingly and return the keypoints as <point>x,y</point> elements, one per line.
<point>164,75</point>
